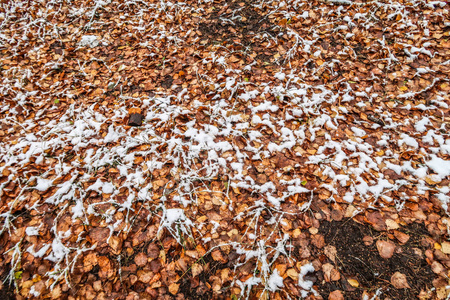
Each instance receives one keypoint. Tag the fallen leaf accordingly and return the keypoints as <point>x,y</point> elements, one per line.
<point>445,247</point>
<point>173,288</point>
<point>292,273</point>
<point>144,276</point>
<point>376,220</point>
<point>115,243</point>
<point>437,268</point>
<point>218,256</point>
<point>337,215</point>
<point>353,282</point>
<point>99,235</point>
<point>196,269</point>
<point>401,237</point>
<point>385,248</point>
<point>318,241</point>
<point>140,259</point>
<point>89,261</point>
<point>336,295</point>
<point>398,280</point>
<point>391,224</point>
<point>330,273</point>
<point>330,252</point>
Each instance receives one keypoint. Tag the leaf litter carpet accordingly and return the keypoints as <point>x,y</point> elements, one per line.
<point>224,149</point>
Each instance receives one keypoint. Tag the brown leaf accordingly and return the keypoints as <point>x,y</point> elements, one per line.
<point>292,273</point>
<point>398,280</point>
<point>391,224</point>
<point>318,241</point>
<point>445,247</point>
<point>385,248</point>
<point>89,262</point>
<point>115,243</point>
<point>196,269</point>
<point>106,269</point>
<point>330,273</point>
<point>218,256</point>
<point>330,252</point>
<point>153,251</point>
<point>437,267</point>
<point>99,235</point>
<point>376,220</point>
<point>140,259</point>
<point>144,276</point>
<point>336,295</point>
<point>173,288</point>
<point>401,237</point>
<point>337,215</point>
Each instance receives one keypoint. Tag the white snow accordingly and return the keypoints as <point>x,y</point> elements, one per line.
<point>32,231</point>
<point>89,40</point>
<point>43,184</point>
<point>306,285</point>
<point>420,125</point>
<point>439,166</point>
<point>275,281</point>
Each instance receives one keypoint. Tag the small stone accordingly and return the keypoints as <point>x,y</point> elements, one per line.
<point>135,119</point>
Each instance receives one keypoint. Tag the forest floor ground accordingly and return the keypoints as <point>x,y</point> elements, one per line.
<point>229,149</point>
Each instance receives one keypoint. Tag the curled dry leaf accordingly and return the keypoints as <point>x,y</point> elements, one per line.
<point>196,269</point>
<point>398,280</point>
<point>330,252</point>
<point>173,288</point>
<point>218,256</point>
<point>115,243</point>
<point>385,249</point>
<point>330,273</point>
<point>401,237</point>
<point>292,273</point>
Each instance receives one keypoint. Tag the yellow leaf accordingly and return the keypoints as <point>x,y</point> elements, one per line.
<point>234,59</point>
<point>173,288</point>
<point>403,88</point>
<point>353,282</point>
